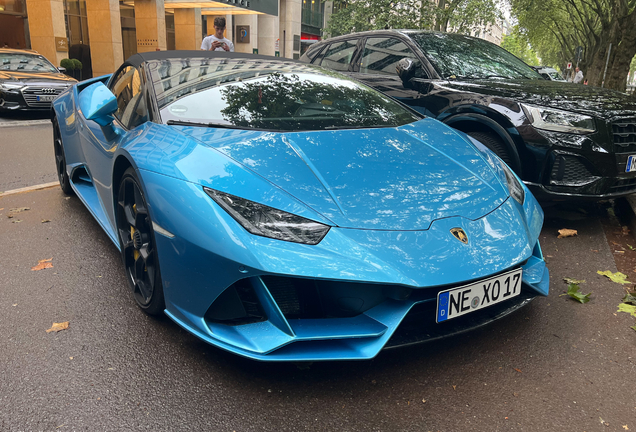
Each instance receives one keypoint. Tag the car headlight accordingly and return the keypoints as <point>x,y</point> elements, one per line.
<point>261,220</point>
<point>514,186</point>
<point>558,120</point>
<point>10,86</point>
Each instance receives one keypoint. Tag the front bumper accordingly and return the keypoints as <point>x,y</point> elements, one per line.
<point>343,299</point>
<point>584,166</point>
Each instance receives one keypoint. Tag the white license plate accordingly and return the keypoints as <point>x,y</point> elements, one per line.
<point>47,98</point>
<point>460,301</point>
<point>631,164</point>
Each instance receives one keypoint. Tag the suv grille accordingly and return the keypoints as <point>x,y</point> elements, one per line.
<point>31,94</point>
<point>570,170</point>
<point>624,133</point>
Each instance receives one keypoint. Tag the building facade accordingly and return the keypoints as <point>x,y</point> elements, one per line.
<point>102,33</point>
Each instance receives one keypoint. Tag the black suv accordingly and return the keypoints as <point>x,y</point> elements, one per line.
<point>563,139</point>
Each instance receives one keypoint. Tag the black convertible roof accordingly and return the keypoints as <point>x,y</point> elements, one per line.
<point>138,59</point>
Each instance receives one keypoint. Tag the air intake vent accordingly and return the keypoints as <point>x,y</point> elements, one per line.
<point>237,305</point>
<point>570,170</point>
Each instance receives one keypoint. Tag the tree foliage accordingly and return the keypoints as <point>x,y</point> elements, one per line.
<point>443,15</point>
<point>517,43</point>
<point>556,27</point>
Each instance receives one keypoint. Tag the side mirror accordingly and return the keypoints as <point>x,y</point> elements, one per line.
<point>61,69</point>
<point>98,104</point>
<point>407,69</point>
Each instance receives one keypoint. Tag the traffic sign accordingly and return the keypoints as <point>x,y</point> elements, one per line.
<point>570,65</point>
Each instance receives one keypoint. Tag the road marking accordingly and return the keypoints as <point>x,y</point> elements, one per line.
<point>29,189</point>
<point>24,123</point>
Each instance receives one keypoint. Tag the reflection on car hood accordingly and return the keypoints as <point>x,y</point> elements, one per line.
<point>36,77</point>
<point>594,101</point>
<point>391,179</point>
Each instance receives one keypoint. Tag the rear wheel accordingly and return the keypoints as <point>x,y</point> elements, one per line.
<point>60,160</point>
<point>137,240</point>
<point>495,144</point>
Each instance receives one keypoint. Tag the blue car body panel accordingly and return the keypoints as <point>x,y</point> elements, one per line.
<point>390,196</point>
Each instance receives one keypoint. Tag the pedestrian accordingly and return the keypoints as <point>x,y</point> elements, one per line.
<point>216,41</point>
<point>578,78</point>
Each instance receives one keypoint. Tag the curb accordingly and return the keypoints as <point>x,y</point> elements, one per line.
<point>24,123</point>
<point>29,189</point>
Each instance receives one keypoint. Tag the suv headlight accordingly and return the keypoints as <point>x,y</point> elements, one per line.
<point>558,120</point>
<point>514,186</point>
<point>10,86</point>
<point>261,220</point>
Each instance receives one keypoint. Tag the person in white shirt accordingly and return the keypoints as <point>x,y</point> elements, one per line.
<point>578,78</point>
<point>217,42</point>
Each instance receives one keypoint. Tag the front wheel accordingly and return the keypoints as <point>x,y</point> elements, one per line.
<point>138,249</point>
<point>60,160</point>
<point>495,144</point>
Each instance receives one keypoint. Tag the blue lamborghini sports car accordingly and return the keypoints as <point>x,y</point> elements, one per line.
<point>286,212</point>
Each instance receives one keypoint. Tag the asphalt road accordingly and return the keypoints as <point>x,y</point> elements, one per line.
<point>555,365</point>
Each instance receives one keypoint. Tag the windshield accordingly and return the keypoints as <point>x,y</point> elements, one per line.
<point>458,56</point>
<point>271,95</point>
<point>25,63</point>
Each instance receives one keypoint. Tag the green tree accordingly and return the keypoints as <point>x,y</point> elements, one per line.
<point>556,27</point>
<point>442,15</point>
<point>517,43</point>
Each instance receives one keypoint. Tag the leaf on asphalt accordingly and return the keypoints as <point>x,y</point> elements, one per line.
<point>45,221</point>
<point>573,291</point>
<point>567,233</point>
<point>56,327</point>
<point>43,264</point>
<point>630,309</point>
<point>19,209</point>
<point>518,370</point>
<point>630,246</point>
<point>16,221</point>
<point>630,298</point>
<point>617,277</point>
<point>573,281</point>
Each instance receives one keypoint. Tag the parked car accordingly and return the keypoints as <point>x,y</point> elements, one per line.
<point>282,211</point>
<point>564,141</point>
<point>28,81</point>
<point>549,73</point>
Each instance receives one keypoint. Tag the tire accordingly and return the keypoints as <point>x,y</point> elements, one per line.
<point>138,246</point>
<point>60,160</point>
<point>495,144</point>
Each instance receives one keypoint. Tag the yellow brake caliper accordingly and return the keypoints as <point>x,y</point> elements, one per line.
<point>132,233</point>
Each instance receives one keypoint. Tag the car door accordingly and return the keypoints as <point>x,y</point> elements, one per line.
<point>376,67</point>
<point>100,143</point>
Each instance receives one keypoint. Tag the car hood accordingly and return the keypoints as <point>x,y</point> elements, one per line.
<point>35,78</point>
<point>390,178</point>
<point>589,100</point>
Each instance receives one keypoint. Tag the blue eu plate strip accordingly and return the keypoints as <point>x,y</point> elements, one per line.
<point>442,307</point>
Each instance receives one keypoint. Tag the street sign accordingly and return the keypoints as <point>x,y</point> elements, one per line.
<point>570,65</point>
<point>578,55</point>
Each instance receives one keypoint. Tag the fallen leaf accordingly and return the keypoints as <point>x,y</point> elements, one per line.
<point>625,427</point>
<point>630,309</point>
<point>56,327</point>
<point>630,246</point>
<point>573,291</point>
<point>567,233</point>
<point>19,209</point>
<point>423,400</point>
<point>43,264</point>
<point>573,281</point>
<point>617,277</point>
<point>630,298</point>
<point>625,230</point>
<point>70,358</point>
<point>454,387</point>
<point>518,370</point>
<point>14,304</point>
<point>45,221</point>
<point>16,221</point>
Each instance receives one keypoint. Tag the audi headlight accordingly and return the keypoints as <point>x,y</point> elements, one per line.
<point>261,220</point>
<point>10,86</point>
<point>558,120</point>
<point>514,185</point>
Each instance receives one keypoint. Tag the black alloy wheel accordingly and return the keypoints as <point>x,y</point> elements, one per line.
<point>495,144</point>
<point>137,241</point>
<point>60,160</point>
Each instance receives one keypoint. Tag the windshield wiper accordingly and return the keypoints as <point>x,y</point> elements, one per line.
<point>214,125</point>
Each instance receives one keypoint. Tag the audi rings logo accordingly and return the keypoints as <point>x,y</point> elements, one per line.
<point>48,91</point>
